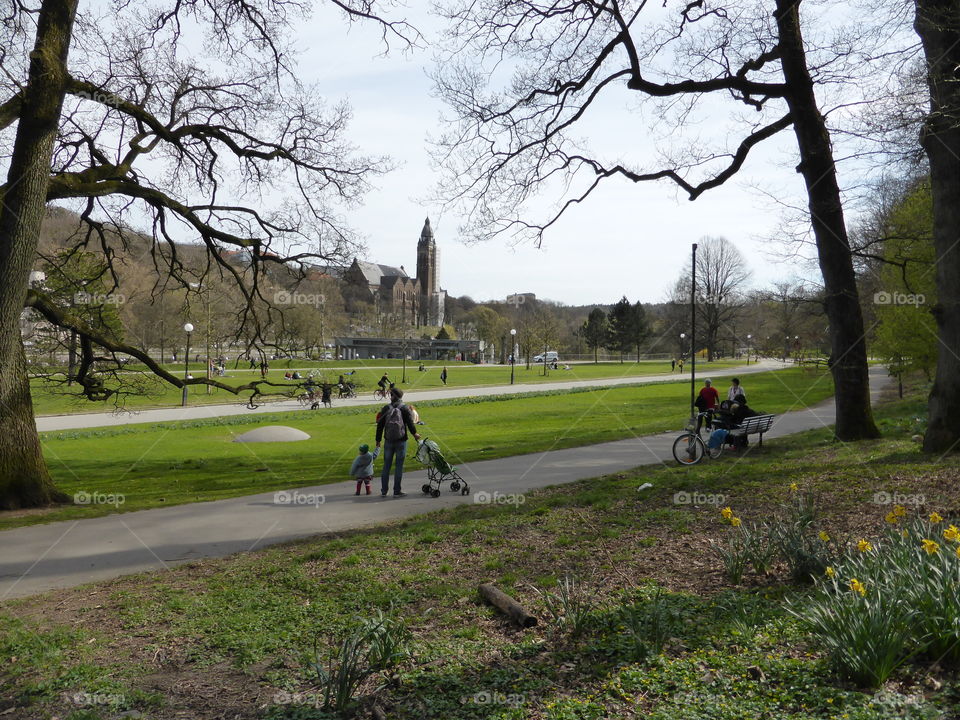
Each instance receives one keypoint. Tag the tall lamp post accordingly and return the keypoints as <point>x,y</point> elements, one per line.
<point>749,344</point>
<point>693,331</point>
<point>513,352</point>
<point>187,328</point>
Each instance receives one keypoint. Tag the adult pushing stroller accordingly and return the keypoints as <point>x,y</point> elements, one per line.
<point>439,470</point>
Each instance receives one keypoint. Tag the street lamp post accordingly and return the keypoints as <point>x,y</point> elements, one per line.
<point>749,346</point>
<point>693,331</point>
<point>187,328</point>
<point>513,352</point>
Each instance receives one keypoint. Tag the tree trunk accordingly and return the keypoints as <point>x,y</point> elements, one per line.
<point>854,417</point>
<point>938,25</point>
<point>24,479</point>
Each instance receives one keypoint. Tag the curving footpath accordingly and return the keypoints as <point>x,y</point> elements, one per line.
<point>201,412</point>
<point>65,554</point>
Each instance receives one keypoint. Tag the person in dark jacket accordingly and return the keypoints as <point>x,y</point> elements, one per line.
<point>394,448</point>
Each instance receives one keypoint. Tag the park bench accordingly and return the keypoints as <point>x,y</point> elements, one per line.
<point>757,425</point>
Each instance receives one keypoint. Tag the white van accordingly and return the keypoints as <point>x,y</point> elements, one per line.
<point>551,356</point>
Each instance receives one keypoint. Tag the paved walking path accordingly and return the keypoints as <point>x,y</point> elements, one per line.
<point>66,554</point>
<point>201,412</point>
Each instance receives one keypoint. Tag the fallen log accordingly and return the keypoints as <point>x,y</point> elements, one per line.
<point>507,605</point>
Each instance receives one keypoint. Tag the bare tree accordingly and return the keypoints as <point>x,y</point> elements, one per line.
<point>228,150</point>
<point>514,137</point>
<point>722,274</point>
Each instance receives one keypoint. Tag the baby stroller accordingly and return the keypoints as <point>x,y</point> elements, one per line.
<point>439,470</point>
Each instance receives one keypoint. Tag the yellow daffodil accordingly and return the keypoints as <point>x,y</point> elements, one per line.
<point>794,487</point>
<point>829,572</point>
<point>864,546</point>
<point>735,521</point>
<point>858,587</point>
<point>899,511</point>
<point>892,518</point>
<point>904,534</point>
<point>727,513</point>
<point>823,536</point>
<point>958,551</point>
<point>935,518</point>
<point>952,533</point>
<point>931,547</point>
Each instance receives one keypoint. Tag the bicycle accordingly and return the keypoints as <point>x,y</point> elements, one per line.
<point>689,448</point>
<point>379,394</point>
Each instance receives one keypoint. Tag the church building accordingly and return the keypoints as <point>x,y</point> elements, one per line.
<point>417,301</point>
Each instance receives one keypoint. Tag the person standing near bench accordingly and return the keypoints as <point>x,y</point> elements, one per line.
<point>710,396</point>
<point>735,390</point>
<point>393,422</point>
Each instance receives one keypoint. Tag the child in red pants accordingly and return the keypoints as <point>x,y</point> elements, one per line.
<point>362,468</point>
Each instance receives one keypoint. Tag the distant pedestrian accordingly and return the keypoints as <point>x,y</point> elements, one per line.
<point>362,468</point>
<point>443,376</point>
<point>673,364</point>
<point>393,422</point>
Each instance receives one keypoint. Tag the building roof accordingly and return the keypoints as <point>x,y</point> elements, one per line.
<point>372,272</point>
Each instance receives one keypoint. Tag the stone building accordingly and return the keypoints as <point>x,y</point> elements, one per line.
<point>416,301</point>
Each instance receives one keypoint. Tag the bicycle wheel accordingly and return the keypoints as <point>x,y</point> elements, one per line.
<point>688,449</point>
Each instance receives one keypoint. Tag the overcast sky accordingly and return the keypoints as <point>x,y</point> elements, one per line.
<point>631,240</point>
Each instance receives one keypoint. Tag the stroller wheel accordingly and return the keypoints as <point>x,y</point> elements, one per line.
<point>465,491</point>
<point>426,489</point>
<point>454,486</point>
<point>435,493</point>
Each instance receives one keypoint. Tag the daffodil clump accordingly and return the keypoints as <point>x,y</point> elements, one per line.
<point>747,545</point>
<point>791,536</point>
<point>890,600</point>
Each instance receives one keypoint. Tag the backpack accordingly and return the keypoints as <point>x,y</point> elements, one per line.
<point>393,426</point>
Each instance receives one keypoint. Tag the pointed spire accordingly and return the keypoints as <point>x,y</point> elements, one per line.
<point>427,232</point>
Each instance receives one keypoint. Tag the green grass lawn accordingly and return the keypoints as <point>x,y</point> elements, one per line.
<point>171,463</point>
<point>56,399</point>
<point>659,632</point>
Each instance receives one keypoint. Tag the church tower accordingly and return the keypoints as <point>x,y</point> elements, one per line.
<point>431,302</point>
<point>427,260</point>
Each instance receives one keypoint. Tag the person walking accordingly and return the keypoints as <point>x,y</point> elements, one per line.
<point>673,364</point>
<point>443,375</point>
<point>393,422</point>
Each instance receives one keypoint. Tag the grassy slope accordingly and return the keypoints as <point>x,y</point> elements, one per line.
<point>54,399</point>
<point>172,463</point>
<point>246,625</point>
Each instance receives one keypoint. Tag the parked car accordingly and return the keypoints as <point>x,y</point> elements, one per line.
<point>551,357</point>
